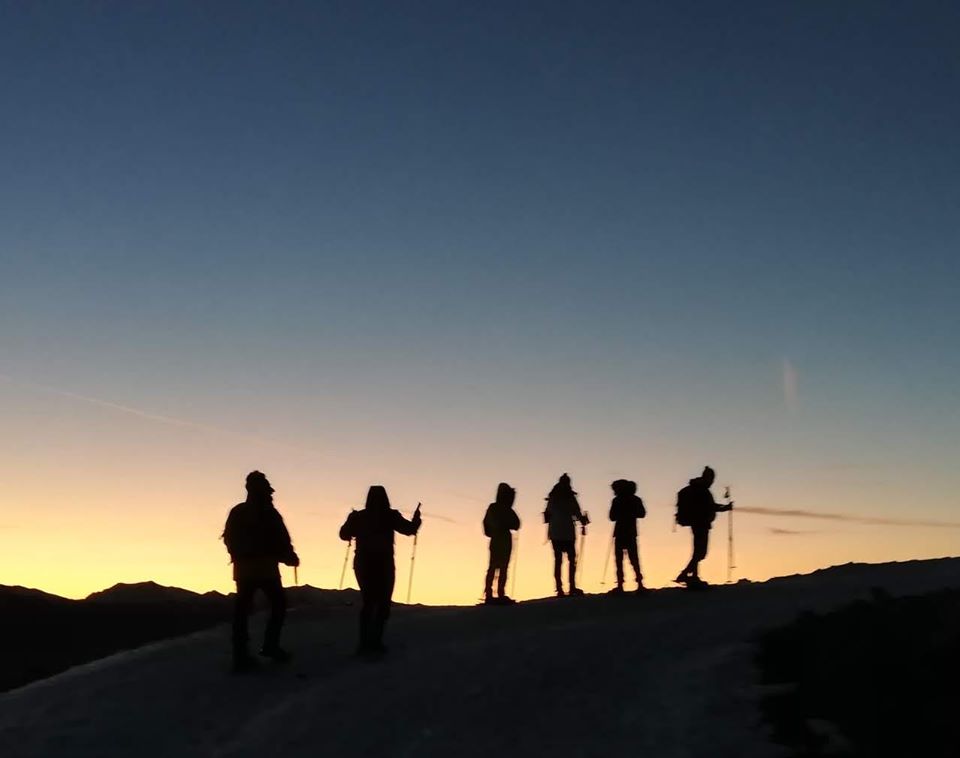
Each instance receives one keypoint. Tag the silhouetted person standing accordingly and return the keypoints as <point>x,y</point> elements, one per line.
<point>561,513</point>
<point>498,523</point>
<point>372,530</point>
<point>258,541</point>
<point>625,509</point>
<point>696,508</point>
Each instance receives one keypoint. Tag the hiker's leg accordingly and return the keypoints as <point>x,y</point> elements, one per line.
<point>491,568</point>
<point>557,563</point>
<point>572,564</point>
<point>701,536</point>
<point>503,568</point>
<point>273,589</point>
<point>383,607</point>
<point>366,583</point>
<point>634,556</point>
<point>241,612</point>
<point>618,558</point>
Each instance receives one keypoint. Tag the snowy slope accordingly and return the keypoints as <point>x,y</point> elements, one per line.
<point>666,675</point>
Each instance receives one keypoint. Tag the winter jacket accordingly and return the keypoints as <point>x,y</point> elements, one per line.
<point>498,522</point>
<point>372,531</point>
<point>562,510</point>
<point>624,512</point>
<point>257,540</point>
<point>702,507</point>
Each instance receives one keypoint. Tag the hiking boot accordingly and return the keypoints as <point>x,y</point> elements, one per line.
<point>618,590</point>
<point>276,654</point>
<point>696,583</point>
<point>504,600</point>
<point>682,578</point>
<point>641,590</point>
<point>575,591</point>
<point>489,600</point>
<point>560,592</point>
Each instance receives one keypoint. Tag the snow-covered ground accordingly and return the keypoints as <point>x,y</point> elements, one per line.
<point>667,675</point>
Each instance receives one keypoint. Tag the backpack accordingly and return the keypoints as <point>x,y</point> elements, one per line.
<point>686,506</point>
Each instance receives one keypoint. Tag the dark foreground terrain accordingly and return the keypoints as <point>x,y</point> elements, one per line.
<point>876,678</point>
<point>671,675</point>
<point>45,634</point>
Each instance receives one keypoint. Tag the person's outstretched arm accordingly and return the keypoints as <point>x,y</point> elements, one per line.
<point>285,551</point>
<point>229,534</point>
<point>577,513</point>
<point>402,526</point>
<point>349,529</point>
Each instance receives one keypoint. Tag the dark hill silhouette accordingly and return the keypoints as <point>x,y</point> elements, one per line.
<point>45,634</point>
<point>152,593</point>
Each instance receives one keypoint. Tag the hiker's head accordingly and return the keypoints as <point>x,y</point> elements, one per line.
<point>258,487</point>
<point>377,499</point>
<point>624,487</point>
<point>708,475</point>
<point>505,495</point>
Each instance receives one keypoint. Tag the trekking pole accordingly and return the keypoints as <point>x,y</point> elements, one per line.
<point>583,542</point>
<point>730,565</point>
<point>516,562</point>
<point>346,557</point>
<point>606,563</point>
<point>413,558</point>
<point>296,579</point>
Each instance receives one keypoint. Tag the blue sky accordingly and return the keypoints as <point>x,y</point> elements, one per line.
<point>573,231</point>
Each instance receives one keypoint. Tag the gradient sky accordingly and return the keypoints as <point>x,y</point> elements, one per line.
<point>439,245</point>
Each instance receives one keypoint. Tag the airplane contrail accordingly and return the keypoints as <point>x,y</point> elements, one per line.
<point>161,418</point>
<point>826,516</point>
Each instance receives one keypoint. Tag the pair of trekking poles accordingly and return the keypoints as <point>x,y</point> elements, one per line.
<point>413,560</point>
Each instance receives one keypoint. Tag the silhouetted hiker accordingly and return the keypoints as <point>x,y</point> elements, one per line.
<point>696,508</point>
<point>498,522</point>
<point>372,530</point>
<point>257,541</point>
<point>625,509</point>
<point>561,512</point>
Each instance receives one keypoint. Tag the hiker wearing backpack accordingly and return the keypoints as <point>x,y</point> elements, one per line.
<point>625,509</point>
<point>697,509</point>
<point>258,540</point>
<point>372,531</point>
<point>561,512</point>
<point>498,523</point>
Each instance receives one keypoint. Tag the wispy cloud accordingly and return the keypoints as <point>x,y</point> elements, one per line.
<point>159,418</point>
<point>790,378</point>
<point>791,532</point>
<point>848,518</point>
